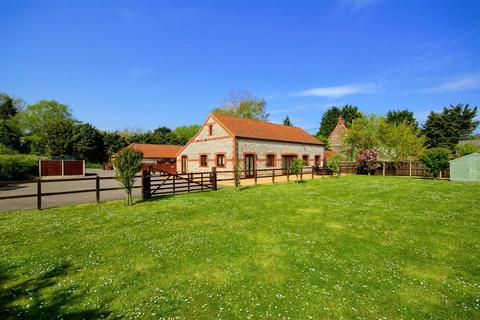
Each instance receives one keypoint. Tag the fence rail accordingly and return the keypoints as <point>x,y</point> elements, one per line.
<point>39,194</point>
<point>160,183</point>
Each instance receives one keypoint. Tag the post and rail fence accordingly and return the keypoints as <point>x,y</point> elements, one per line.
<point>161,183</point>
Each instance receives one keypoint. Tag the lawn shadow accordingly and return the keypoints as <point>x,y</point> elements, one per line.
<point>41,297</point>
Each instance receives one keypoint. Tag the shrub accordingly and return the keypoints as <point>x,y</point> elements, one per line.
<point>367,159</point>
<point>333,163</point>
<point>435,160</point>
<point>6,150</point>
<point>467,148</point>
<point>18,166</point>
<point>127,163</point>
<point>296,167</point>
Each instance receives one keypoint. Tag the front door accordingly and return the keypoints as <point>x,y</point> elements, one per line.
<point>249,165</point>
<point>286,161</point>
<point>184,164</point>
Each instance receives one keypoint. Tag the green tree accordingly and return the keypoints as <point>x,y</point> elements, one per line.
<point>402,116</point>
<point>330,118</point>
<point>399,142</point>
<point>244,105</point>
<point>363,134</point>
<point>112,143</point>
<point>163,135</point>
<point>57,142</point>
<point>38,119</point>
<point>465,149</point>
<point>435,160</point>
<point>87,143</point>
<point>10,134</point>
<point>323,139</point>
<point>296,167</point>
<point>287,122</point>
<point>127,163</point>
<point>333,163</point>
<point>445,129</point>
<point>184,134</point>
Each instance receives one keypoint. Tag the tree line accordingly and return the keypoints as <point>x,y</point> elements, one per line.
<point>48,128</point>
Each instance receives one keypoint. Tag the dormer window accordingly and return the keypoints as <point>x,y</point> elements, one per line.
<point>210,129</point>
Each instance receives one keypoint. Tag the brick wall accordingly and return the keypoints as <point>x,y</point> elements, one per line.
<point>262,148</point>
<point>208,144</point>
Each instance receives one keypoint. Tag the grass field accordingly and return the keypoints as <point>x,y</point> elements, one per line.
<point>352,247</point>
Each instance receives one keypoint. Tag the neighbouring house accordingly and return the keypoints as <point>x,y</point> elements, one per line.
<point>162,155</point>
<point>224,140</point>
<point>466,168</point>
<point>335,138</point>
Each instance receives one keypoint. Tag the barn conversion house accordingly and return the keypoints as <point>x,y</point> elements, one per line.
<point>161,155</point>
<point>224,140</point>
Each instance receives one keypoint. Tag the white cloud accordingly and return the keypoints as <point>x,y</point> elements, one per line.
<point>338,91</point>
<point>460,83</point>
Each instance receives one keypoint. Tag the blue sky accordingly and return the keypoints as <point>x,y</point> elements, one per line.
<point>144,64</point>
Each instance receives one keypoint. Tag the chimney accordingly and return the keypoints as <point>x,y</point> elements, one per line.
<point>340,121</point>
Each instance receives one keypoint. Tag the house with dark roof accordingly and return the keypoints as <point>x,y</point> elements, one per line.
<point>335,138</point>
<point>224,140</point>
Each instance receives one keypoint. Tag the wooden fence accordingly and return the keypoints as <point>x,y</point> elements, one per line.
<point>61,168</point>
<point>39,193</point>
<point>158,183</point>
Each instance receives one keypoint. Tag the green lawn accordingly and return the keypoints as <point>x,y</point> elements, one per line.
<point>352,247</point>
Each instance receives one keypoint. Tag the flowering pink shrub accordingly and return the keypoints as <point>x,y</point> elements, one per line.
<point>367,160</point>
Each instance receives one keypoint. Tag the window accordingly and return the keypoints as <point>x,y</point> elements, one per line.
<point>210,129</point>
<point>317,160</point>
<point>305,160</point>
<point>270,160</point>
<point>203,160</point>
<point>220,160</point>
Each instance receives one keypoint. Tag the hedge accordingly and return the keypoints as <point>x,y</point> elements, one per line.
<point>18,166</point>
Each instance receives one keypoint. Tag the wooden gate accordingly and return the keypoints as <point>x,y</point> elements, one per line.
<point>166,183</point>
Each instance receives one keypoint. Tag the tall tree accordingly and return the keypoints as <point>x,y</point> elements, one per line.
<point>399,142</point>
<point>402,116</point>
<point>364,134</point>
<point>244,105</point>
<point>87,143</point>
<point>112,142</point>
<point>330,118</point>
<point>35,119</point>
<point>10,133</point>
<point>445,129</point>
<point>57,141</point>
<point>287,122</point>
<point>184,134</point>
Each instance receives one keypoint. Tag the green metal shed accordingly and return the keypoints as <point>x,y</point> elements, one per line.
<point>466,168</point>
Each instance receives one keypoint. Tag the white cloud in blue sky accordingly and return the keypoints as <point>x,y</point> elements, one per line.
<point>338,91</point>
<point>458,84</point>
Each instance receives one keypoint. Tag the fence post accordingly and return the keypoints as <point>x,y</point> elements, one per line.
<point>273,176</point>
<point>313,171</point>
<point>188,182</point>
<point>255,176</point>
<point>173,180</point>
<point>339,170</point>
<point>301,174</point>
<point>97,188</point>
<point>145,185</point>
<point>383,169</point>
<point>201,181</point>
<point>288,174</point>
<point>214,178</point>
<point>410,167</point>
<point>63,168</point>
<point>39,193</point>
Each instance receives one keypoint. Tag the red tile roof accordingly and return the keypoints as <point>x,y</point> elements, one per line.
<point>256,129</point>
<point>156,150</point>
